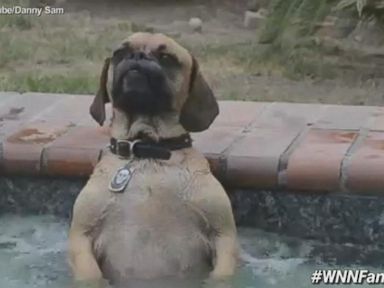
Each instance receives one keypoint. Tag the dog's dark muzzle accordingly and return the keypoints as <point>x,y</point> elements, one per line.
<point>140,86</point>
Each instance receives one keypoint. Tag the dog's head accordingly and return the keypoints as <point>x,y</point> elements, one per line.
<point>152,75</point>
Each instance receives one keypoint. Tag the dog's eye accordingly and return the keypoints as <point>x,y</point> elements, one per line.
<point>166,58</point>
<point>119,54</point>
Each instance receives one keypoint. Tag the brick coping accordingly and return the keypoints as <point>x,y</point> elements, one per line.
<point>258,145</point>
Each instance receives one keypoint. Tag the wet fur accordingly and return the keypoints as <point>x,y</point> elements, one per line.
<point>174,218</point>
<point>155,227</point>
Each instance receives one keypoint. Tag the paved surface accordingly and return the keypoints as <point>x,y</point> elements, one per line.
<point>259,145</point>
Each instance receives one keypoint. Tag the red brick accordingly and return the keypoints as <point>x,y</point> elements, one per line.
<point>291,115</point>
<point>21,109</point>
<point>216,139</point>
<point>217,164</point>
<point>315,164</point>
<point>72,109</point>
<point>22,150</point>
<point>346,117</point>
<point>366,166</point>
<point>213,143</point>
<point>75,153</point>
<point>82,137</point>
<point>238,113</point>
<point>70,161</point>
<point>254,160</point>
<point>21,158</point>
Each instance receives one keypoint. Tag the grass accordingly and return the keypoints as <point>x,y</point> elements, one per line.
<point>60,53</point>
<point>64,54</point>
<point>305,60</point>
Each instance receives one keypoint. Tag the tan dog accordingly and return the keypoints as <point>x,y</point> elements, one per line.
<point>170,217</point>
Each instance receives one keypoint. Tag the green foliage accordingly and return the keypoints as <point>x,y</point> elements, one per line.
<point>20,22</point>
<point>275,21</point>
<point>293,19</point>
<point>288,30</point>
<point>366,9</point>
<point>55,54</point>
<point>309,13</point>
<point>78,82</point>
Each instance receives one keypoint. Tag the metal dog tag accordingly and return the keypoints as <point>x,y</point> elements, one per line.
<point>121,179</point>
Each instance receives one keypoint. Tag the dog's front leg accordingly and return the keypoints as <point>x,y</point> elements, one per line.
<point>215,205</point>
<point>225,238</point>
<point>81,257</point>
<point>87,211</point>
<point>226,255</point>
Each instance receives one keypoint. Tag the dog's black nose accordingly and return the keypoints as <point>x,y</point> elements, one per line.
<point>138,55</point>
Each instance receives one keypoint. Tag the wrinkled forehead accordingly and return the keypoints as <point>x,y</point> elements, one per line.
<point>148,42</point>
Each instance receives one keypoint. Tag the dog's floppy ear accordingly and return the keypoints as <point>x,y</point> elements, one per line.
<point>97,109</point>
<point>200,108</point>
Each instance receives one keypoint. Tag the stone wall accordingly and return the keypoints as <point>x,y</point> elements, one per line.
<point>335,218</point>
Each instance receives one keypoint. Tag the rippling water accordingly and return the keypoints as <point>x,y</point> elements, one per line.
<point>32,254</point>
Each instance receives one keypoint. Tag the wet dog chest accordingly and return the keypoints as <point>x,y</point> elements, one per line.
<point>145,180</point>
<point>154,193</point>
<point>154,222</point>
<point>149,236</point>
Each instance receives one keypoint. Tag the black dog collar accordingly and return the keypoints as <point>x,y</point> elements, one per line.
<point>149,149</point>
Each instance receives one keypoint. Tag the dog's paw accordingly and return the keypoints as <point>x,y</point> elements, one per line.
<point>218,283</point>
<point>221,274</point>
<point>92,284</point>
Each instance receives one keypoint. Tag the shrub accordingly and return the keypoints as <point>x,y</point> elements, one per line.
<point>366,9</point>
